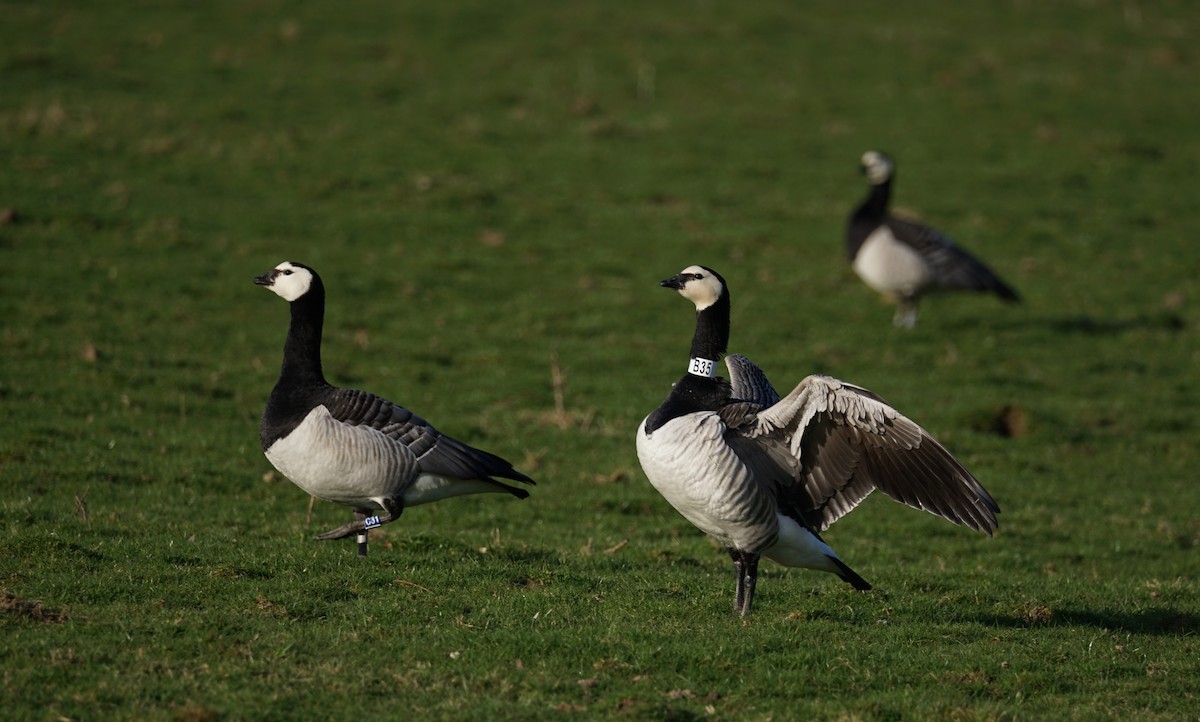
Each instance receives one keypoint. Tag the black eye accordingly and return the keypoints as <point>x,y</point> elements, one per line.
<point>287,272</point>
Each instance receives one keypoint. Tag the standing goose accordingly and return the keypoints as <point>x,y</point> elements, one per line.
<point>352,447</point>
<point>904,260</point>
<point>765,475</point>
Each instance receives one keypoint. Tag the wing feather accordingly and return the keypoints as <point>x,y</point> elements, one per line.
<point>953,266</point>
<point>749,382</point>
<point>848,441</point>
<point>436,453</point>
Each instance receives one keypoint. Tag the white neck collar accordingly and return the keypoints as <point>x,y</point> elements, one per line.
<point>702,367</point>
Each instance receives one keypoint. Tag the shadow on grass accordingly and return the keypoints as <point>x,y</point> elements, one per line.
<point>1156,621</point>
<point>1092,326</point>
<point>1088,325</point>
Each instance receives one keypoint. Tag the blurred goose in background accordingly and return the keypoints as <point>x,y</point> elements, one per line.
<point>352,447</point>
<point>766,475</point>
<point>903,259</point>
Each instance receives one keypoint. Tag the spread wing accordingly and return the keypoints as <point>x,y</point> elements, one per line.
<point>436,453</point>
<point>749,382</point>
<point>845,441</point>
<point>770,461</point>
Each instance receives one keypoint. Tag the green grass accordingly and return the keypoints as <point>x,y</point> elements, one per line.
<point>485,188</point>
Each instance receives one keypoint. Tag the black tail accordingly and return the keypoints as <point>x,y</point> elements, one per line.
<point>958,269</point>
<point>514,490</point>
<point>504,470</point>
<point>849,576</point>
<point>1004,291</point>
<point>466,462</point>
<point>974,275</point>
<point>500,467</point>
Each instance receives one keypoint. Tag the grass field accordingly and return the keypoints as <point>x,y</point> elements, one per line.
<point>492,194</point>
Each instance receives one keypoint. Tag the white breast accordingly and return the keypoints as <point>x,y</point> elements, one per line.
<point>689,463</point>
<point>889,266</point>
<point>352,465</point>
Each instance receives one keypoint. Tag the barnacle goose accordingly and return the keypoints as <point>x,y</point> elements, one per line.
<point>352,447</point>
<point>903,259</point>
<point>765,476</point>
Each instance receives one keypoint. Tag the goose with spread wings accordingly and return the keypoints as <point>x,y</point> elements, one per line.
<point>766,475</point>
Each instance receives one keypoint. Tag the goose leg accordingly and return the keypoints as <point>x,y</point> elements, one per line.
<point>749,580</point>
<point>745,569</point>
<point>739,595</point>
<point>906,312</point>
<point>361,516</point>
<point>362,523</point>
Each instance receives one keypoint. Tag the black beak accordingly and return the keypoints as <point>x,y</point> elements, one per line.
<point>675,282</point>
<point>266,279</point>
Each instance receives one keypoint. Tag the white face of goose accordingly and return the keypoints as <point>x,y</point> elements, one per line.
<point>288,280</point>
<point>877,167</point>
<point>700,286</point>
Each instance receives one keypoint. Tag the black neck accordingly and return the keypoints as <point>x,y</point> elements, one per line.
<point>876,204</point>
<point>868,216</point>
<point>689,395</point>
<point>302,350</point>
<point>712,330</point>
<point>694,393</point>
